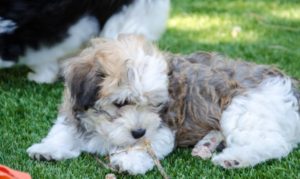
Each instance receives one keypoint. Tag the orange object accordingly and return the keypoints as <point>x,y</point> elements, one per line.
<point>8,173</point>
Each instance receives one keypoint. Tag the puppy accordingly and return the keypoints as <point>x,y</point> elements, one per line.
<point>38,33</point>
<point>251,109</point>
<point>121,92</point>
<point>114,92</point>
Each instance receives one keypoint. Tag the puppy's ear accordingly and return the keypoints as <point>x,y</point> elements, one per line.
<point>83,78</point>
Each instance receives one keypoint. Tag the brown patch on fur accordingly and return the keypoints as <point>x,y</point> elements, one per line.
<point>83,77</point>
<point>202,85</point>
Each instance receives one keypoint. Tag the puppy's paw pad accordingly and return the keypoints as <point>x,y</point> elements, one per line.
<point>227,163</point>
<point>202,152</point>
<point>231,164</point>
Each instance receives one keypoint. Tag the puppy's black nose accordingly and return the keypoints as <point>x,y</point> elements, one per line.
<point>138,133</point>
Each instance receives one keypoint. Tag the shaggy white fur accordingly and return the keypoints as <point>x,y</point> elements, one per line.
<point>59,144</point>
<point>64,142</point>
<point>260,125</point>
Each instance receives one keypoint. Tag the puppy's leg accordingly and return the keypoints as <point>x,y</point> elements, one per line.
<point>137,160</point>
<point>261,125</point>
<point>257,151</point>
<point>208,144</point>
<point>44,73</point>
<point>61,143</point>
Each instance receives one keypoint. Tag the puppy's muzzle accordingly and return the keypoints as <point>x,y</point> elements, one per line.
<point>138,133</point>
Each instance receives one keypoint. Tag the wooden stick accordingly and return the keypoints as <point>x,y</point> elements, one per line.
<point>262,20</point>
<point>155,159</point>
<point>107,166</point>
<point>148,148</point>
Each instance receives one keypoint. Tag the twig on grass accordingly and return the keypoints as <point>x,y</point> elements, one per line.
<point>261,20</point>
<point>155,159</point>
<point>106,166</point>
<point>146,146</point>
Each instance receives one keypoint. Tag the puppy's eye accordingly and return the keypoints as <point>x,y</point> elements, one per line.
<point>159,105</point>
<point>121,104</point>
<point>100,74</point>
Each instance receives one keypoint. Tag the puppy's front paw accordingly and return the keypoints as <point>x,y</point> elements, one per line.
<point>134,162</point>
<point>43,151</point>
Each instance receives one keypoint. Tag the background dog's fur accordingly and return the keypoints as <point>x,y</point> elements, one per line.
<point>38,33</point>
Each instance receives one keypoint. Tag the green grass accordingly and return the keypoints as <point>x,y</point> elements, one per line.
<point>270,34</point>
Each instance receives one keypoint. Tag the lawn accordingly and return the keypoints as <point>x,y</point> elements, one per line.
<point>262,31</point>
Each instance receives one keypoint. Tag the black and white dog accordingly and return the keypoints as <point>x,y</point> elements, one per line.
<point>38,33</point>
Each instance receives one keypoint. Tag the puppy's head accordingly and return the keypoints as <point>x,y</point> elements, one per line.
<point>118,87</point>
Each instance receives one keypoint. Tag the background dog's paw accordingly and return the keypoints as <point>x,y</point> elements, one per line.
<point>134,162</point>
<point>46,152</point>
<point>41,78</point>
<point>202,152</point>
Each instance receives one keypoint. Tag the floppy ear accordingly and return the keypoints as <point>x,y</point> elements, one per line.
<point>83,78</point>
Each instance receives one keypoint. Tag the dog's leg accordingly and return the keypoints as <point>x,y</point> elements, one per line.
<point>44,61</point>
<point>240,156</point>
<point>137,160</point>
<point>260,125</point>
<point>44,73</point>
<point>208,144</point>
<point>6,64</point>
<point>60,143</point>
